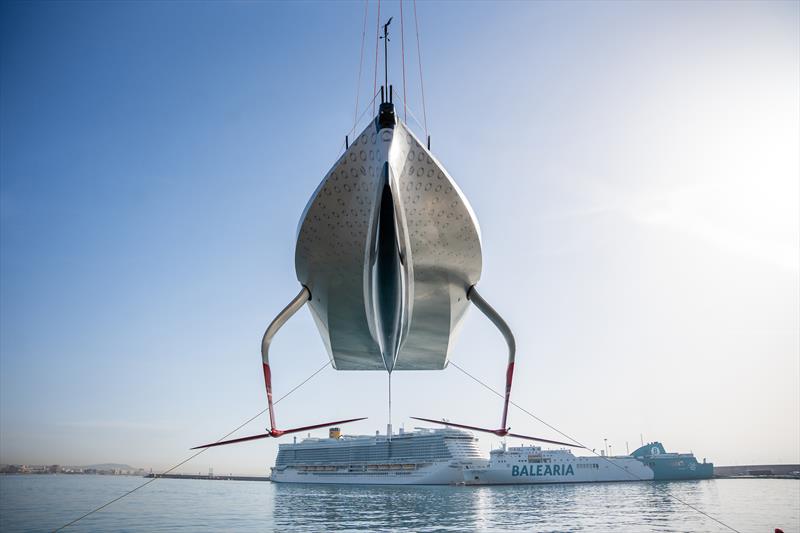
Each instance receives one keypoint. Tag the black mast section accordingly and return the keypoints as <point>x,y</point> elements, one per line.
<point>386,118</point>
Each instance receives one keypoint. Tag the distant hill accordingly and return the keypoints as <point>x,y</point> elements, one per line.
<point>110,466</point>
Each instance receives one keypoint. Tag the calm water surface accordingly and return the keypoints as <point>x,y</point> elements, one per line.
<point>41,503</point>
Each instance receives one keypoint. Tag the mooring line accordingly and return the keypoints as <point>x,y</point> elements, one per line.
<point>576,441</point>
<point>193,455</point>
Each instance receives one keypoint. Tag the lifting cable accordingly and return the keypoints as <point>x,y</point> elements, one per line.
<point>360,63</point>
<point>323,367</point>
<point>377,41</point>
<point>403,56</point>
<point>576,441</point>
<point>419,62</point>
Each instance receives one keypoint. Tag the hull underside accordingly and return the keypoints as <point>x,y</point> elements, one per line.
<point>388,247</point>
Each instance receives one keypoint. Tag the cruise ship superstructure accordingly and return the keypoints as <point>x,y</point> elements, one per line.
<point>419,457</point>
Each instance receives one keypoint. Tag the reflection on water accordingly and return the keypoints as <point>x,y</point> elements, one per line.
<point>316,507</point>
<point>41,503</point>
<point>649,506</point>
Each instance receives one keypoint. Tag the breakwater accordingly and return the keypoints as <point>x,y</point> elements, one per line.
<point>210,477</point>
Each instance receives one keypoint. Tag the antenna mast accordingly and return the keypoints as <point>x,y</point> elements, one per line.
<point>386,52</point>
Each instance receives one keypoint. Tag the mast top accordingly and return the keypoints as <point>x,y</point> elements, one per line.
<point>386,52</point>
<point>386,117</point>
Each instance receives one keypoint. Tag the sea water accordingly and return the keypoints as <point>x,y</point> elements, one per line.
<point>46,502</point>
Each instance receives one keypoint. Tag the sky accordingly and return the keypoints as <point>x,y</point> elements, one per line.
<point>634,167</point>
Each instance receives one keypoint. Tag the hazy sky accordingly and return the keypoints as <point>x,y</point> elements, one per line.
<point>634,168</point>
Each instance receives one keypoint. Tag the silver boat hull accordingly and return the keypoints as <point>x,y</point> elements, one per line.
<point>388,247</point>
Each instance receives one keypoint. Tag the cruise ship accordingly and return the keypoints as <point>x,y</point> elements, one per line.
<point>419,457</point>
<point>532,464</point>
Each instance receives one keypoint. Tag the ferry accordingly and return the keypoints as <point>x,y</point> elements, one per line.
<point>419,457</point>
<point>532,464</point>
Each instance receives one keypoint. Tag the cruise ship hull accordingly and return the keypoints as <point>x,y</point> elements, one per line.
<point>434,474</point>
<point>577,470</point>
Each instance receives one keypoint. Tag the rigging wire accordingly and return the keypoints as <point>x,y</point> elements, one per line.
<point>403,56</point>
<point>360,62</point>
<point>323,367</point>
<point>412,114</point>
<point>343,146</point>
<point>419,62</point>
<point>377,41</point>
<point>576,441</point>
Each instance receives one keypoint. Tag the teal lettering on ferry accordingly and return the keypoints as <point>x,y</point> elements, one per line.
<point>543,470</point>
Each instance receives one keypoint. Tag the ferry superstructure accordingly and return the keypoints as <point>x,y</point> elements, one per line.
<point>420,457</point>
<point>532,464</point>
<point>670,465</point>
